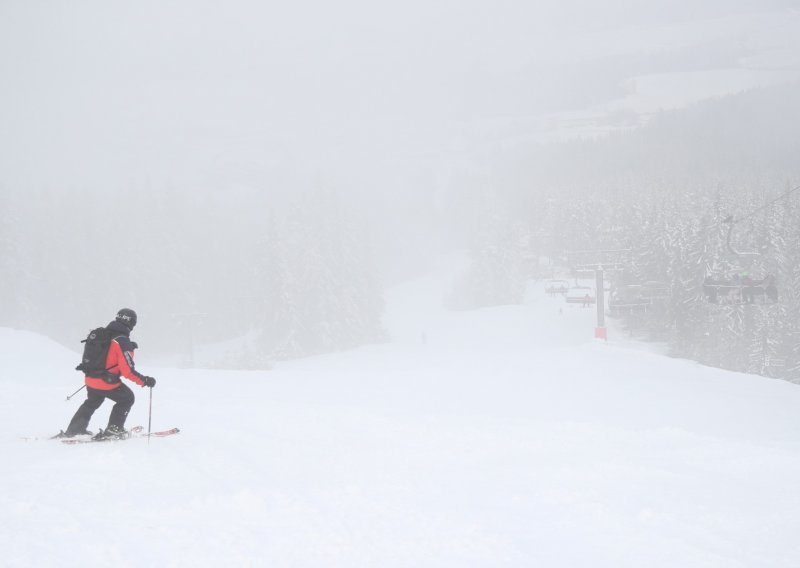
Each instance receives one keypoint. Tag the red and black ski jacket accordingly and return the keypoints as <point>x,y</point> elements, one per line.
<point>119,360</point>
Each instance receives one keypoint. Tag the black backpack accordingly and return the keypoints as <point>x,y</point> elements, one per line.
<point>95,352</point>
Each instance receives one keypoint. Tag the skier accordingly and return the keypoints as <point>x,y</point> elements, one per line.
<point>107,384</point>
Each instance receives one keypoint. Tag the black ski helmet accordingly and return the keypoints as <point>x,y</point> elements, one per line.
<point>127,316</point>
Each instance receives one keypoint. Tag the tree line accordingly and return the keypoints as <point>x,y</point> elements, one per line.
<point>263,278</point>
<point>666,194</point>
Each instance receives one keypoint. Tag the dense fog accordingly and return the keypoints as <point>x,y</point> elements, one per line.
<point>256,175</point>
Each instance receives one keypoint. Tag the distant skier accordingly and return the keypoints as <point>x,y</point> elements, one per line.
<point>106,383</point>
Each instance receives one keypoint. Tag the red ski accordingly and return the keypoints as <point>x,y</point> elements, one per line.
<point>135,432</point>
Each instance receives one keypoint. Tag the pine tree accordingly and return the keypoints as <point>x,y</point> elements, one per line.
<point>498,272</point>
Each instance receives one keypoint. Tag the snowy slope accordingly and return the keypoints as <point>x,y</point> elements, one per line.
<point>500,437</point>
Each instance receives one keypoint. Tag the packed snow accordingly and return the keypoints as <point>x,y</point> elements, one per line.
<point>506,436</point>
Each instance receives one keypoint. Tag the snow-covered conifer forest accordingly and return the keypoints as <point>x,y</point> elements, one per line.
<point>691,204</point>
<point>278,262</point>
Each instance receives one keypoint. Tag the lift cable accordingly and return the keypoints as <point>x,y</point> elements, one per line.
<point>731,222</point>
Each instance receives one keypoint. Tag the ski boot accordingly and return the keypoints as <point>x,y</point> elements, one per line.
<point>113,432</point>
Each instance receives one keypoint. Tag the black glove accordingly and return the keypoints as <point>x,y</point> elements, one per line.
<point>149,381</point>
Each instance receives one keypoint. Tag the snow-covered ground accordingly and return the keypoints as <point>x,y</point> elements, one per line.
<point>499,437</point>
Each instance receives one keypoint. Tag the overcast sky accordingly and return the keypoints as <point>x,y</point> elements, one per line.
<point>94,91</point>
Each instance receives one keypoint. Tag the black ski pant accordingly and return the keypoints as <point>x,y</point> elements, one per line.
<point>123,401</point>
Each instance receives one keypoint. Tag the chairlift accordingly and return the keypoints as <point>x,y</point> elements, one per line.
<point>739,291</point>
<point>729,220</point>
<point>745,290</point>
<point>556,287</point>
<point>654,290</point>
<point>580,295</point>
<point>627,299</point>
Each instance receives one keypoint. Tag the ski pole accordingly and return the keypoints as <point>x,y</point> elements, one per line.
<point>150,415</point>
<point>76,392</point>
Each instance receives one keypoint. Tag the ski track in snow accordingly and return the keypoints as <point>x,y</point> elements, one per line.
<point>499,437</point>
